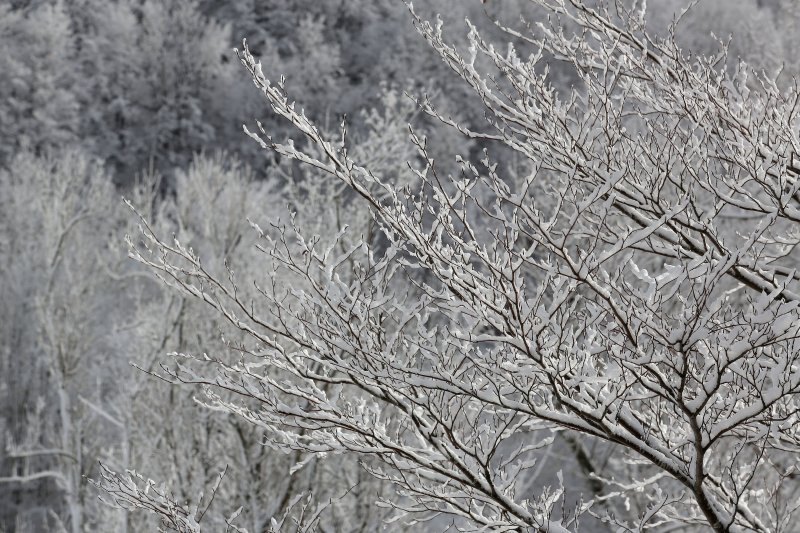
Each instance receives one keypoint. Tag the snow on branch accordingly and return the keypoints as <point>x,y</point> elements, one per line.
<point>608,291</point>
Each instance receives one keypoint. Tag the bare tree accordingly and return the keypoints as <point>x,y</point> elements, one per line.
<point>55,322</point>
<point>634,287</point>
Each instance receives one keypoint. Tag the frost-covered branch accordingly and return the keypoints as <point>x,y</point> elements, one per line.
<point>608,291</point>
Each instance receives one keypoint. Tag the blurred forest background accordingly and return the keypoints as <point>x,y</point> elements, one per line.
<point>145,99</point>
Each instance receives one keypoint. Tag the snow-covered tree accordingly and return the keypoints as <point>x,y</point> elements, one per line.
<point>38,107</point>
<point>58,228</point>
<point>634,287</point>
<point>153,74</point>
